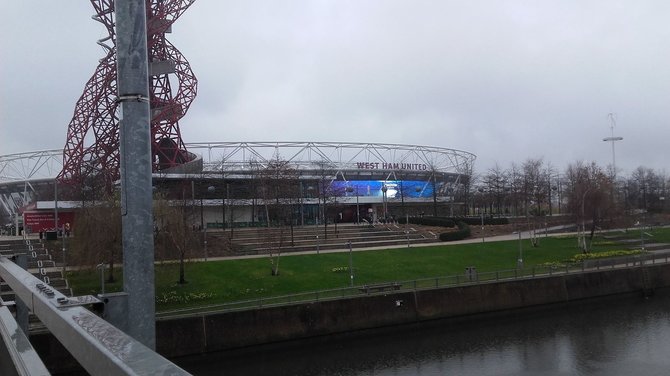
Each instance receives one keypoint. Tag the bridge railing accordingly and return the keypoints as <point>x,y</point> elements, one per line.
<point>17,355</point>
<point>99,347</point>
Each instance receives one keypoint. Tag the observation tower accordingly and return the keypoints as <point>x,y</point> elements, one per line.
<point>92,147</point>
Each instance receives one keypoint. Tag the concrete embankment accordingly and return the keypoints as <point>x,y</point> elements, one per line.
<point>229,330</point>
<point>183,336</point>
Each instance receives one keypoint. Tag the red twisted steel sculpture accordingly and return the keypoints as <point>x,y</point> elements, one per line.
<point>92,146</point>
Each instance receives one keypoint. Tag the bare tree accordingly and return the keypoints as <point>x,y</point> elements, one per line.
<point>98,234</point>
<point>589,195</point>
<point>468,179</point>
<point>280,192</point>
<point>496,182</point>
<point>327,194</point>
<point>175,230</point>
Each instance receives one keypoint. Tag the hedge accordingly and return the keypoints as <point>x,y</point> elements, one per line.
<point>474,221</point>
<point>430,221</point>
<point>451,222</point>
<point>462,233</point>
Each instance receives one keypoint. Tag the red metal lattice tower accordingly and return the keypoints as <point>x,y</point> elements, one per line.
<point>92,146</point>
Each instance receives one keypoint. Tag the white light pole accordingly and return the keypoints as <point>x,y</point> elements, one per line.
<point>351,265</point>
<point>519,261</point>
<point>583,225</point>
<point>481,190</point>
<point>384,189</point>
<point>612,139</point>
<point>358,212</point>
<point>211,189</point>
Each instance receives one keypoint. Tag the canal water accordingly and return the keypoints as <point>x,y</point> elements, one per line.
<point>613,336</point>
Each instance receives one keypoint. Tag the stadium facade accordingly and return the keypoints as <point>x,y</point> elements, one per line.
<point>227,183</point>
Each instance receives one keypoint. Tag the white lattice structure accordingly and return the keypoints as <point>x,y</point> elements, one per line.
<point>44,164</point>
<point>20,173</point>
<point>336,156</point>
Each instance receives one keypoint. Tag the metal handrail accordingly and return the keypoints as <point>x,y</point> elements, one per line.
<point>97,345</point>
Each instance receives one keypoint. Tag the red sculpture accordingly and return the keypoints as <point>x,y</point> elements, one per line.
<point>92,146</point>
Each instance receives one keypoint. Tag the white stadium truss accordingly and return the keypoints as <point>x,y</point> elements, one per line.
<point>44,164</point>
<point>336,156</point>
<point>236,156</point>
<point>19,171</point>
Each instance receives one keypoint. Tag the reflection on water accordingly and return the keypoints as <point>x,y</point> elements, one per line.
<point>606,337</point>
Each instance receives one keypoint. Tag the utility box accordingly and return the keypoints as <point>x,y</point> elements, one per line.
<point>471,273</point>
<point>115,309</point>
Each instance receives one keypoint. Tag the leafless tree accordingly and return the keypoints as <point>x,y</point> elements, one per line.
<point>98,234</point>
<point>175,230</point>
<point>467,171</point>
<point>327,194</point>
<point>280,192</point>
<point>589,194</point>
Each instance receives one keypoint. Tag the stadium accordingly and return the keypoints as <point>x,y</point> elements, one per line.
<point>228,184</point>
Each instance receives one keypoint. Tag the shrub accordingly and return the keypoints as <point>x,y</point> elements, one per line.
<point>462,233</point>
<point>451,222</point>
<point>474,221</point>
<point>430,221</point>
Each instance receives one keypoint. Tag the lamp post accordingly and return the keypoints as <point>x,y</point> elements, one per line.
<point>418,190</point>
<point>519,261</point>
<point>317,244</point>
<point>481,212</point>
<point>583,223</point>
<point>310,195</point>
<point>351,265</point>
<point>384,189</point>
<point>642,233</point>
<point>302,208</point>
<point>55,209</point>
<point>358,212</point>
<point>101,267</point>
<point>612,139</point>
<point>211,189</point>
<point>450,192</point>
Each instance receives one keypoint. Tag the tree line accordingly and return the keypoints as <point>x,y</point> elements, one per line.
<point>585,191</point>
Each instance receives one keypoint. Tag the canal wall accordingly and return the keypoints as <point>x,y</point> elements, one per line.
<point>229,330</point>
<point>221,331</point>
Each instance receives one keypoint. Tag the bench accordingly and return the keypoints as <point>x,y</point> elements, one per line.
<point>380,287</point>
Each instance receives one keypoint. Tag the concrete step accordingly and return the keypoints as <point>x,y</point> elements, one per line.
<point>330,240</point>
<point>336,245</point>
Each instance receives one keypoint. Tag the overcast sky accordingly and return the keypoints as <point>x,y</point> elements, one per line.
<point>505,80</point>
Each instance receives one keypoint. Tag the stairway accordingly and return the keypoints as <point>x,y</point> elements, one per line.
<point>40,265</point>
<point>251,241</point>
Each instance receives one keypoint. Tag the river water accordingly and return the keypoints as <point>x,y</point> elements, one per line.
<point>614,336</point>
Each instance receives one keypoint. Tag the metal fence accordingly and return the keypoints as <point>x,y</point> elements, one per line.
<point>471,277</point>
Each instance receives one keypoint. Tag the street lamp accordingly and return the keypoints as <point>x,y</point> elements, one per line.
<point>351,265</point>
<point>310,190</point>
<point>583,224</point>
<point>210,190</point>
<point>481,190</point>
<point>358,212</point>
<point>519,261</point>
<point>642,233</point>
<point>384,189</point>
<point>612,139</point>
<point>418,189</point>
<point>302,206</point>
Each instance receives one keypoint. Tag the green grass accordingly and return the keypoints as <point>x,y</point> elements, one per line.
<point>226,281</point>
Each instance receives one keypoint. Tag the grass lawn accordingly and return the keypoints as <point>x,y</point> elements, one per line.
<point>216,282</point>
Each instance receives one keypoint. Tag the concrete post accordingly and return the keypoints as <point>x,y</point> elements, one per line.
<point>136,165</point>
